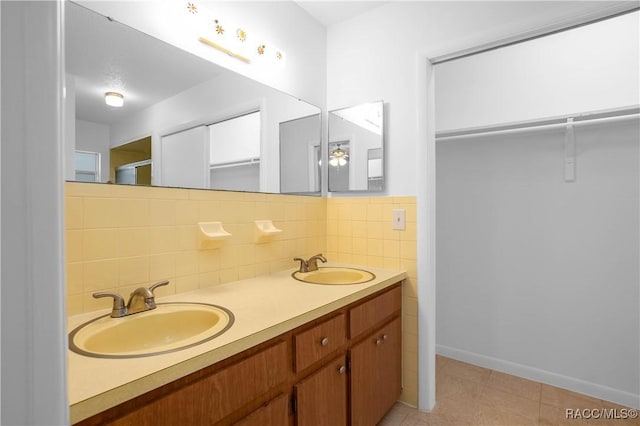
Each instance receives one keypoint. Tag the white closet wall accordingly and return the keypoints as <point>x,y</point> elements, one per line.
<point>537,276</point>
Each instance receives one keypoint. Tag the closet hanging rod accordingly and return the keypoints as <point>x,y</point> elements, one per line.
<point>540,127</point>
<point>248,162</point>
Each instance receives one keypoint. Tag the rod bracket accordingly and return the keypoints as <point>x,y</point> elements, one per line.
<point>569,152</point>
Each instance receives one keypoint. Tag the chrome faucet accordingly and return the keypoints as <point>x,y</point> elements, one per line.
<point>142,299</point>
<point>311,264</point>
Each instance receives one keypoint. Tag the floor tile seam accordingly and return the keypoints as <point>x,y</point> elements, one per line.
<point>539,407</point>
<point>466,379</point>
<point>514,393</point>
<point>531,402</point>
<point>540,404</point>
<point>562,406</point>
<point>498,407</point>
<point>536,420</point>
<point>510,414</point>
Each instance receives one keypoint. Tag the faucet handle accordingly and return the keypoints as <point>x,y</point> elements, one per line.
<point>304,265</point>
<point>118,310</point>
<point>158,284</point>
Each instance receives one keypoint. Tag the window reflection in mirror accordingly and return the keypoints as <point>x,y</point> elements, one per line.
<point>356,148</point>
<point>87,166</point>
<point>168,91</point>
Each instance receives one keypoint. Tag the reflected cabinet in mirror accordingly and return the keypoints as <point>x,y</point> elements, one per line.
<point>356,148</point>
<point>183,121</point>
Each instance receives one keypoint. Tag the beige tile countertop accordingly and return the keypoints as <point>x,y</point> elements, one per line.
<point>264,307</point>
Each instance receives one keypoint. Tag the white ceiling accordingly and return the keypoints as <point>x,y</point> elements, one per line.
<point>333,12</point>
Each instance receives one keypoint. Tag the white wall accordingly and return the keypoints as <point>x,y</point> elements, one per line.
<point>590,68</point>
<point>34,343</point>
<point>94,137</point>
<point>537,276</point>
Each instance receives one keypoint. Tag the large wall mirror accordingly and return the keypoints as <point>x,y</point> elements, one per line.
<point>184,122</point>
<point>356,148</point>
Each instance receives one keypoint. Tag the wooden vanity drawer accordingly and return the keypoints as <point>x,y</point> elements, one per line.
<point>374,311</point>
<point>315,343</point>
<point>210,399</point>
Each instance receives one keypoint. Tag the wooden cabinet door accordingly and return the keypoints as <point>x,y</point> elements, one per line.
<point>376,375</point>
<point>321,399</point>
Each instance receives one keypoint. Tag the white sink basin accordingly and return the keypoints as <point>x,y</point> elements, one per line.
<point>334,276</point>
<point>169,327</point>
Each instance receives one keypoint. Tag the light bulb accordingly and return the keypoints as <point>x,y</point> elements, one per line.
<point>114,99</point>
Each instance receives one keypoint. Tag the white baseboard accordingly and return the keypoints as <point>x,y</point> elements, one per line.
<point>577,385</point>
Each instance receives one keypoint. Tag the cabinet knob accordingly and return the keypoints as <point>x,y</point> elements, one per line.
<point>324,341</point>
<point>385,337</point>
<point>378,342</point>
<point>342,369</point>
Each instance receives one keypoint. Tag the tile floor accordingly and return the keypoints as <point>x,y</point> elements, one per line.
<point>470,395</point>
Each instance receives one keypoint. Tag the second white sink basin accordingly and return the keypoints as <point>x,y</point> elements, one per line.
<point>334,276</point>
<point>169,327</point>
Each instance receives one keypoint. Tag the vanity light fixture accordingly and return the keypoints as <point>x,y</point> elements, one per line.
<point>338,157</point>
<point>114,99</point>
<point>231,38</point>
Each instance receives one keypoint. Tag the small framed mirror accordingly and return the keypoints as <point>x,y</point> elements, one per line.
<point>356,148</point>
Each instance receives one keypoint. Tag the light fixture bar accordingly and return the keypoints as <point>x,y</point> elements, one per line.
<point>224,50</point>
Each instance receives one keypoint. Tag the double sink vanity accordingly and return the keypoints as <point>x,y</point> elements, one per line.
<point>305,348</point>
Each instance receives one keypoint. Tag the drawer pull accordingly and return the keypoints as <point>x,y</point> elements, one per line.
<point>342,369</point>
<point>324,341</point>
